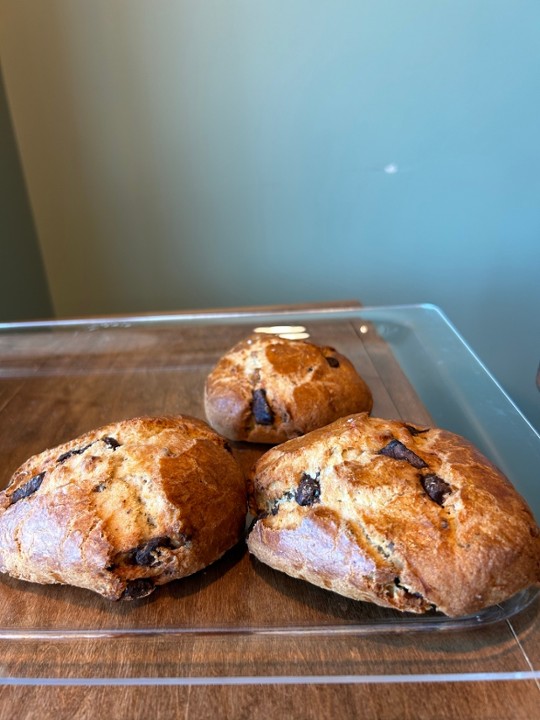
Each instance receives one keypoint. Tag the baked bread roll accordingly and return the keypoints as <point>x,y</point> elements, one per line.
<point>268,389</point>
<point>392,513</point>
<point>124,508</point>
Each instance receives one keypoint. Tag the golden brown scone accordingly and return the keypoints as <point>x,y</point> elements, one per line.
<point>268,389</point>
<point>395,514</point>
<point>124,508</point>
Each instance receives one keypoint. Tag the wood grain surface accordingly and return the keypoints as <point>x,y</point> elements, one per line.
<point>56,384</point>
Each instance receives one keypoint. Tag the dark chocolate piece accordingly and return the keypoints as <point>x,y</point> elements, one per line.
<point>436,488</point>
<point>147,554</point>
<point>262,412</point>
<point>111,442</point>
<point>77,451</point>
<point>309,490</point>
<point>27,489</point>
<point>332,361</point>
<point>398,451</point>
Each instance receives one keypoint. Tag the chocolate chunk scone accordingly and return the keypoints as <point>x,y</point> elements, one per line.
<point>124,508</point>
<point>268,389</point>
<point>403,516</point>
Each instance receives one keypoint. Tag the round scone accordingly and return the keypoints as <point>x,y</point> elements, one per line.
<point>268,389</point>
<point>124,508</point>
<point>403,516</point>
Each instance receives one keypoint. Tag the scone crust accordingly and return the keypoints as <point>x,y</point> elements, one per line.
<point>123,508</point>
<point>433,526</point>
<point>269,389</point>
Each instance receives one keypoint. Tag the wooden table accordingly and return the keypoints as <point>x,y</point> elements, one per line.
<point>54,385</point>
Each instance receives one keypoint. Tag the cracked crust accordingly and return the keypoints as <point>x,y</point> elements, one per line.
<point>268,389</point>
<point>406,517</point>
<point>124,508</point>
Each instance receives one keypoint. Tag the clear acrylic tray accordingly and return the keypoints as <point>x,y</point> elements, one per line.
<point>59,379</point>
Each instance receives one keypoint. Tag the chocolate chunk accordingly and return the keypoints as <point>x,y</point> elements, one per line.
<point>136,589</point>
<point>111,442</point>
<point>437,488</point>
<point>147,554</point>
<point>27,489</point>
<point>66,455</point>
<point>416,431</point>
<point>99,487</point>
<point>309,490</point>
<point>262,412</point>
<point>332,361</point>
<point>77,451</point>
<point>398,451</point>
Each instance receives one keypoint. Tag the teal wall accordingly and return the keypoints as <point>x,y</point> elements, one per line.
<point>212,153</point>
